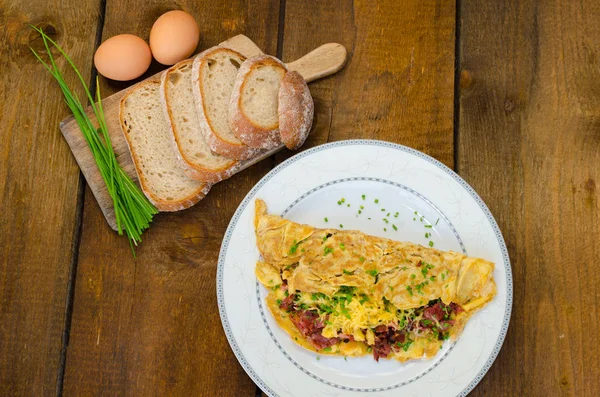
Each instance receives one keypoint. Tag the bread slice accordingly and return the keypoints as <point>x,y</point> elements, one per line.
<point>253,115</point>
<point>147,134</point>
<point>194,154</point>
<point>296,110</point>
<point>213,75</point>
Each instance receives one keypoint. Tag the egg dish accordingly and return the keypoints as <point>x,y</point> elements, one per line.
<point>345,293</point>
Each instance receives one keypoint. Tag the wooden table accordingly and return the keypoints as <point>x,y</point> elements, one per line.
<point>506,93</point>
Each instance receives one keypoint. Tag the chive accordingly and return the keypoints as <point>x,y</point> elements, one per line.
<point>436,222</point>
<point>409,289</point>
<point>431,243</point>
<point>364,197</point>
<point>327,349</point>
<point>325,219</point>
<point>347,272</point>
<point>376,201</point>
<point>413,276</point>
<point>428,226</point>
<point>372,272</point>
<point>133,211</point>
<point>318,358</point>
<point>348,205</point>
<point>327,250</point>
<point>362,207</point>
<point>341,226</point>
<point>359,211</point>
<point>342,247</point>
<point>384,229</point>
<point>362,259</point>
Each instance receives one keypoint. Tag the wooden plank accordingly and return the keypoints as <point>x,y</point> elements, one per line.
<point>150,326</point>
<point>39,180</point>
<point>398,84</point>
<point>321,62</point>
<point>529,139</point>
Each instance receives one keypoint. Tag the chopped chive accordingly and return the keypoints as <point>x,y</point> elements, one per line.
<point>341,226</point>
<point>431,243</point>
<point>376,201</point>
<point>395,228</point>
<point>364,197</point>
<point>325,219</point>
<point>436,222</point>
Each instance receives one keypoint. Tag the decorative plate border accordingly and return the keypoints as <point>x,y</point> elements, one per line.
<point>228,233</point>
<point>262,310</point>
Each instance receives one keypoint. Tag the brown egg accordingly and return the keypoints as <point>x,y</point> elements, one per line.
<point>123,57</point>
<point>174,37</point>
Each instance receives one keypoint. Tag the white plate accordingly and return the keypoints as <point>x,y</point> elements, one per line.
<point>306,188</point>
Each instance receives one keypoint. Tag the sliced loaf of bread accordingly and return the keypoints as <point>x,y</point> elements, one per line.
<point>196,158</point>
<point>253,107</point>
<point>296,110</point>
<point>147,134</point>
<point>213,76</point>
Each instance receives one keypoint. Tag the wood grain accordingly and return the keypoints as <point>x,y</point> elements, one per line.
<point>321,62</point>
<point>529,143</point>
<point>39,180</point>
<point>398,83</point>
<point>150,326</point>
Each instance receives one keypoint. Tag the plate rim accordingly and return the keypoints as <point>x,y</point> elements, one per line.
<point>377,143</point>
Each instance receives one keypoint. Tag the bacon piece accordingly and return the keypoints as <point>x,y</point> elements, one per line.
<point>307,321</point>
<point>456,308</point>
<point>287,303</point>
<point>434,312</point>
<point>320,342</point>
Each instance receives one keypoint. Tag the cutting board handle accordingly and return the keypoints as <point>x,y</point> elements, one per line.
<point>320,62</point>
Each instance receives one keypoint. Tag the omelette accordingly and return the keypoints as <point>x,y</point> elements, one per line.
<point>342,292</point>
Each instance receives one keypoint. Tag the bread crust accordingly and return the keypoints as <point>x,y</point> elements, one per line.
<point>190,168</point>
<point>160,204</point>
<point>296,110</point>
<point>233,150</point>
<point>245,129</point>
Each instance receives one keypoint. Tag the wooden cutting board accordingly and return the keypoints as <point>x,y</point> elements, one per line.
<point>321,62</point>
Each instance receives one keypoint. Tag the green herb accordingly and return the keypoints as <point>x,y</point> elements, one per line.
<point>421,219</point>
<point>362,208</point>
<point>369,349</point>
<point>342,247</point>
<point>427,235</point>
<point>436,222</point>
<point>345,358</point>
<point>327,349</point>
<point>364,197</point>
<point>341,226</point>
<point>431,243</point>
<point>443,276</point>
<point>412,276</point>
<point>405,345</point>
<point>293,248</point>
<point>395,228</point>
<point>383,210</point>
<point>347,272</point>
<point>318,358</point>
<point>359,211</point>
<point>376,201</point>
<point>385,220</point>
<point>325,219</point>
<point>362,259</point>
<point>133,211</point>
<point>372,272</point>
<point>388,214</point>
<point>409,289</point>
<point>348,205</point>
<point>327,322</point>
<point>429,226</point>
<point>384,229</point>
<point>432,278</point>
<point>278,302</point>
<point>327,250</point>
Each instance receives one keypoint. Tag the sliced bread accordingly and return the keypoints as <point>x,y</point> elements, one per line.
<point>296,110</point>
<point>194,154</point>
<point>213,76</point>
<point>147,134</point>
<point>253,115</point>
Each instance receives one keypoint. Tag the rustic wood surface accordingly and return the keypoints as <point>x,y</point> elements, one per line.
<point>39,199</point>
<point>529,143</point>
<point>521,124</point>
